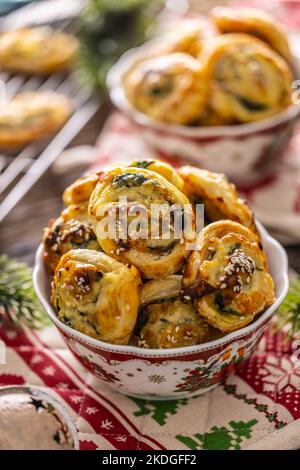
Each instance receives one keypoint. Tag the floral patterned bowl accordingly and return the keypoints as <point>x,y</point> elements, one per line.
<point>168,373</point>
<point>244,152</point>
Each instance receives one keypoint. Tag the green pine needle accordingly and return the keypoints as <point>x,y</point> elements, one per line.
<point>288,316</point>
<point>18,302</point>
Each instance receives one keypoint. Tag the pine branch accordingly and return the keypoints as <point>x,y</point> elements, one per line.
<point>288,315</point>
<point>107,29</point>
<point>18,302</point>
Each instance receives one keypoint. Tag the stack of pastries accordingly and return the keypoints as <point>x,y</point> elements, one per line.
<point>154,291</point>
<point>29,116</point>
<point>234,68</point>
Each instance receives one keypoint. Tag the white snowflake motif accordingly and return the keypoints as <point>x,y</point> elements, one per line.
<point>62,386</point>
<point>36,359</point>
<point>106,424</point>
<point>91,410</point>
<point>76,399</point>
<point>11,334</point>
<point>280,373</point>
<point>156,378</point>
<point>121,438</point>
<point>49,371</point>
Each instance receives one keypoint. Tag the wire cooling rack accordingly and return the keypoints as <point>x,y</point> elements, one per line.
<point>20,171</point>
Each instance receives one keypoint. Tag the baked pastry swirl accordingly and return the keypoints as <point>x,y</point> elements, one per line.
<point>32,115</point>
<point>227,277</point>
<point>255,22</point>
<point>163,169</point>
<point>96,295</point>
<point>167,320</point>
<point>40,50</point>
<point>69,231</point>
<point>219,197</point>
<point>248,80</point>
<point>82,188</point>
<point>170,88</point>
<point>150,244</point>
<point>185,36</point>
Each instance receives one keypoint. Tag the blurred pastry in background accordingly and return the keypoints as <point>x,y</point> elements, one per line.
<point>168,321</point>
<point>71,230</point>
<point>170,88</point>
<point>185,36</point>
<point>248,80</point>
<point>95,294</point>
<point>32,115</point>
<point>255,22</point>
<point>40,50</point>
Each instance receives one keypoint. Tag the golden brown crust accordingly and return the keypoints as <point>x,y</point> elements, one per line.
<point>227,276</point>
<point>254,22</point>
<point>69,231</point>
<point>248,80</point>
<point>154,257</point>
<point>39,50</point>
<point>169,320</point>
<point>162,168</point>
<point>220,198</point>
<point>32,115</point>
<point>82,188</point>
<point>185,36</point>
<point>170,88</point>
<point>96,295</point>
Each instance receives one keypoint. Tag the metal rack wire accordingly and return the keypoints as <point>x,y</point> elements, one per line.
<point>20,171</point>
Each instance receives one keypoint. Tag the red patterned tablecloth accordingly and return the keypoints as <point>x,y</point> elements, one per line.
<point>258,408</point>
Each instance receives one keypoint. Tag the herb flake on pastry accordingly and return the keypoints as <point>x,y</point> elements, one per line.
<point>168,321</point>
<point>219,197</point>
<point>142,188</point>
<point>97,295</point>
<point>254,22</point>
<point>162,168</point>
<point>170,88</point>
<point>248,80</point>
<point>40,50</point>
<point>32,115</point>
<point>71,230</point>
<point>227,277</point>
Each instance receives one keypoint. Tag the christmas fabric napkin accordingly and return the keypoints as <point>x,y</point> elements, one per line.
<point>257,408</point>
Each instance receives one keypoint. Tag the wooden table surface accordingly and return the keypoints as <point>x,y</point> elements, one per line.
<point>21,231</point>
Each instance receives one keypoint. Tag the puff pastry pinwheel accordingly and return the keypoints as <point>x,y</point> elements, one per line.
<point>82,188</point>
<point>163,169</point>
<point>248,80</point>
<point>32,115</point>
<point>168,321</point>
<point>150,244</point>
<point>227,276</point>
<point>185,36</point>
<point>219,197</point>
<point>97,295</point>
<point>255,22</point>
<point>69,231</point>
<point>170,88</point>
<point>40,50</point>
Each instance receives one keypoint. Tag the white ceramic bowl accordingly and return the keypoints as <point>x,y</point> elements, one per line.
<point>168,373</point>
<point>244,152</point>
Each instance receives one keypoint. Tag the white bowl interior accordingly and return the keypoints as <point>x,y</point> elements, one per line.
<point>278,266</point>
